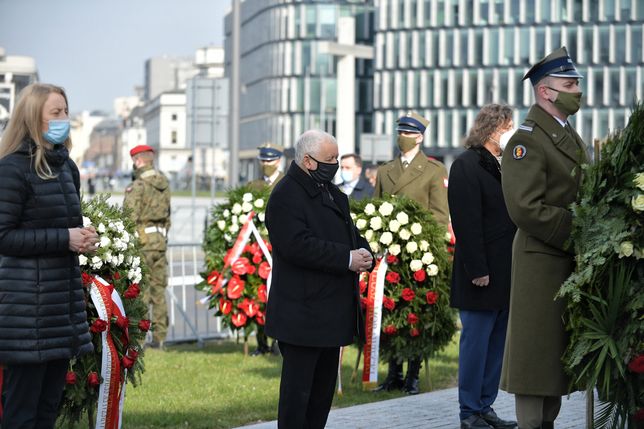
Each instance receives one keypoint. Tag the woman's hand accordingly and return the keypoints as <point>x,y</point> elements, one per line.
<point>481,281</point>
<point>83,240</point>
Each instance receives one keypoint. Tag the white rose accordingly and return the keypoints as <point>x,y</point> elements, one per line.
<point>105,241</point>
<point>369,209</point>
<point>233,228</point>
<point>639,181</point>
<point>107,256</point>
<point>428,258</point>
<point>119,226</point>
<point>114,260</point>
<point>234,219</point>
<point>228,238</point>
<point>246,207</point>
<point>247,197</point>
<point>97,263</point>
<point>369,234</point>
<point>136,261</point>
<point>448,236</point>
<point>404,234</point>
<point>411,247</point>
<point>374,247</point>
<point>86,221</point>
<point>259,203</point>
<point>386,208</point>
<point>111,225</point>
<point>386,238</point>
<point>416,265</point>
<point>638,203</point>
<point>261,216</point>
<point>121,258</point>
<point>237,208</point>
<point>402,218</point>
<point>375,223</point>
<point>99,214</point>
<point>394,249</point>
<point>243,218</point>
<point>353,216</point>
<point>226,213</point>
<point>394,225</point>
<point>416,228</point>
<point>221,224</point>
<point>82,260</point>
<point>101,228</point>
<point>625,249</point>
<point>361,223</point>
<point>125,237</point>
<point>424,245</point>
<point>432,269</point>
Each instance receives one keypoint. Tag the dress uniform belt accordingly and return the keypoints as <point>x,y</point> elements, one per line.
<point>154,228</point>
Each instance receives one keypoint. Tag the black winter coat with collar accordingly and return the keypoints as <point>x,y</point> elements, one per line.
<point>314,297</point>
<point>42,304</point>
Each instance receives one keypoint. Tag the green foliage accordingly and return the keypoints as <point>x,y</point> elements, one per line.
<point>604,312</point>
<point>418,276</point>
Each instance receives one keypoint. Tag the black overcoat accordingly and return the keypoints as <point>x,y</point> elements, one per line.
<point>314,297</point>
<point>362,190</point>
<point>483,230</point>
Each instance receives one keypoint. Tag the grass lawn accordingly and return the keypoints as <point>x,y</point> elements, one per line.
<point>218,387</point>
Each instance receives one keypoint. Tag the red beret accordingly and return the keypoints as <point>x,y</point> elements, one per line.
<point>141,148</point>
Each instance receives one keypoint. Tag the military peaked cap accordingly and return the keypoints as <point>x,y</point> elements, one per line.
<point>557,64</point>
<point>412,122</point>
<point>270,152</point>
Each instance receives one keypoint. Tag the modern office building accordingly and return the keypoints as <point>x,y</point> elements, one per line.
<point>163,74</point>
<point>16,72</point>
<point>447,58</point>
<point>292,55</point>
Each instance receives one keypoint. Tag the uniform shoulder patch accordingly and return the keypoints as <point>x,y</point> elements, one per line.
<point>519,152</point>
<point>524,127</point>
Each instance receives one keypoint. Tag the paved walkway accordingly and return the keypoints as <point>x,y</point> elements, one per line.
<point>434,410</point>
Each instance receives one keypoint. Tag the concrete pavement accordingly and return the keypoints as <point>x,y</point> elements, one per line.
<point>433,410</point>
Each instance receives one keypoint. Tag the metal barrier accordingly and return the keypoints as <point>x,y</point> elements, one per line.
<point>188,319</point>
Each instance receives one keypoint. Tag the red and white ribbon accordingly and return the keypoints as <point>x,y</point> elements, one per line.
<point>373,323</point>
<point>111,392</point>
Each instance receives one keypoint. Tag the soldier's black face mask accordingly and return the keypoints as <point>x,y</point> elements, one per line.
<point>325,171</point>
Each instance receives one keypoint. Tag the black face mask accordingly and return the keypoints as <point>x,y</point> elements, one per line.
<point>325,171</point>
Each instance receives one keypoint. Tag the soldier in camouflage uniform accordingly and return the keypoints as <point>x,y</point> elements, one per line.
<point>148,199</point>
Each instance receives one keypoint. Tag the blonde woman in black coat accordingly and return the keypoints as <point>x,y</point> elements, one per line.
<point>42,306</point>
<point>482,258</point>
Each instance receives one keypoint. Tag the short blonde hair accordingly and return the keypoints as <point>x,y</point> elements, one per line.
<point>489,118</point>
<point>25,122</point>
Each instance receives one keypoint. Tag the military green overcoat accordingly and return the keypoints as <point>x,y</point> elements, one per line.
<point>541,178</point>
<point>424,181</point>
<point>259,184</point>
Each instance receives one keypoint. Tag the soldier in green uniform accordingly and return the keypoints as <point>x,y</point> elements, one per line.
<point>269,158</point>
<point>148,199</point>
<point>425,181</point>
<point>541,177</point>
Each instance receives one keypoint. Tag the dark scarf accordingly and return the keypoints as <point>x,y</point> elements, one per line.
<point>488,161</point>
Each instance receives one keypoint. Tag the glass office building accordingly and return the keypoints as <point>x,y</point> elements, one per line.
<point>288,83</point>
<point>447,58</point>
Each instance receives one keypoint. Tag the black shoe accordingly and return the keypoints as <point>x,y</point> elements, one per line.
<point>394,380</point>
<point>258,352</point>
<point>548,425</point>
<point>411,380</point>
<point>474,422</point>
<point>493,420</point>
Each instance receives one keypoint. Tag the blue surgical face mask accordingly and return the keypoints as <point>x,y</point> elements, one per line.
<point>347,175</point>
<point>58,131</point>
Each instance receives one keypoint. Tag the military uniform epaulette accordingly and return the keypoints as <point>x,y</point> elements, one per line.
<point>526,126</point>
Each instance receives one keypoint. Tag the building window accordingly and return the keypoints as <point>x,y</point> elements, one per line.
<point>174,116</point>
<point>173,137</point>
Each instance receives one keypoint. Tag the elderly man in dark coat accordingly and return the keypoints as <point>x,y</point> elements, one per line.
<point>313,306</point>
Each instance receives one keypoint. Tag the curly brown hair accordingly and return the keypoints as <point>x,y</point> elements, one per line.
<point>489,118</point>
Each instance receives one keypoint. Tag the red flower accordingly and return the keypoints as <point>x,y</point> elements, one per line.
<point>225,306</point>
<point>412,319</point>
<point>388,303</point>
<point>364,302</point>
<point>127,362</point>
<point>262,293</point>
<point>257,258</point>
<point>249,307</point>
<point>122,322</point>
<point>215,289</point>
<point>420,276</point>
<point>637,364</point>
<point>212,277</point>
<point>390,330</point>
<point>240,266</point>
<point>92,379</point>
<point>133,353</point>
<point>132,291</point>
<point>264,270</point>
<point>414,332</point>
<point>117,275</point>
<point>363,286</point>
<point>259,318</point>
<point>70,378</point>
<point>431,297</point>
<point>393,277</point>
<point>239,319</point>
<point>408,294</point>
<point>99,325</point>
<point>250,270</point>
<point>235,287</point>
<point>392,260</point>
<point>86,279</point>
<point>144,325</point>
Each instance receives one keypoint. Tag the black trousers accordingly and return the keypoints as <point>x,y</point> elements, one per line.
<point>307,385</point>
<point>32,394</point>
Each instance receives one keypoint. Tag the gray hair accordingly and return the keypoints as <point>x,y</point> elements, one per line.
<point>309,143</point>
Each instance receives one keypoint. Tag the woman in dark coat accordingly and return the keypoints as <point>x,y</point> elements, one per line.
<point>482,262</point>
<point>42,306</point>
